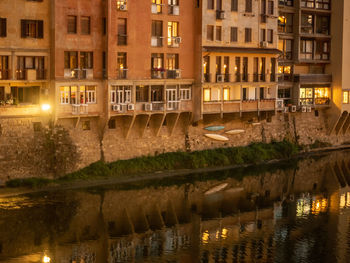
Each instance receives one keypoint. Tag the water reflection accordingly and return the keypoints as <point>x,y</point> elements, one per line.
<point>297,213</point>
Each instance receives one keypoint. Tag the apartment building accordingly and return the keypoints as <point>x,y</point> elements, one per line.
<point>239,57</point>
<point>117,65</point>
<point>24,57</point>
<point>149,62</point>
<point>305,78</point>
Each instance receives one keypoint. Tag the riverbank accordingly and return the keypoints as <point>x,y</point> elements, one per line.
<point>168,165</point>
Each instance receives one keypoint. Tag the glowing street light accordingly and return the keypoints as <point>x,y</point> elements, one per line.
<point>45,107</point>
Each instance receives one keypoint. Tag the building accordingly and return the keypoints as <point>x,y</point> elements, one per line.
<point>239,58</point>
<point>305,78</point>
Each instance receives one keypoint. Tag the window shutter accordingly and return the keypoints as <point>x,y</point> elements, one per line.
<point>3,31</point>
<point>40,29</point>
<point>23,28</point>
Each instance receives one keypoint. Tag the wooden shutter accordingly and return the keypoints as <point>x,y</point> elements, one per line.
<point>23,28</point>
<point>3,30</point>
<point>40,29</point>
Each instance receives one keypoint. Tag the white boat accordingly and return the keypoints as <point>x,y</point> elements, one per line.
<point>256,123</point>
<point>235,131</point>
<point>216,189</point>
<point>216,137</point>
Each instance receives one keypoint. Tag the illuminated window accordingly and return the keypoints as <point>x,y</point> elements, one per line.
<point>73,94</point>
<point>157,6</point>
<point>120,94</point>
<point>306,96</point>
<point>322,96</point>
<point>64,95</point>
<point>206,94</point>
<point>121,5</point>
<point>173,33</point>
<point>226,94</point>
<point>346,97</point>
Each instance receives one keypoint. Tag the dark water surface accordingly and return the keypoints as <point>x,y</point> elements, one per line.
<point>297,211</point>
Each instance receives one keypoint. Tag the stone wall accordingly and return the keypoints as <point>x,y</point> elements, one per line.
<point>17,135</point>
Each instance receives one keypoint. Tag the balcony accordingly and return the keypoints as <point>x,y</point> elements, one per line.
<point>78,109</point>
<point>267,104</point>
<point>207,77</point>
<point>31,74</point>
<point>173,73</point>
<point>172,105</point>
<point>174,41</point>
<point>250,105</point>
<point>5,74</point>
<point>259,77</point>
<point>173,10</point>
<point>158,106</point>
<point>231,106</point>
<point>156,41</point>
<point>20,110</point>
<point>220,14</point>
<point>212,107</point>
<point>158,73</point>
<point>272,77</point>
<point>78,73</point>
<point>227,77</point>
<point>122,73</point>
<point>313,78</point>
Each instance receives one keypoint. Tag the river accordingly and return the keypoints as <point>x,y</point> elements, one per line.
<point>296,211</point>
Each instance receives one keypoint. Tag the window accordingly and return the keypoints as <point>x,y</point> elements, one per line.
<point>185,92</point>
<point>285,23</point>
<point>86,60</point>
<point>323,25</point>
<point>270,8</point>
<point>346,97</point>
<point>86,125</point>
<point>323,4</point>
<point>4,68</point>
<point>157,6</point>
<point>74,95</point>
<point>142,93</point>
<point>210,32</point>
<point>90,94</point>
<point>306,96</point>
<point>233,36</point>
<point>286,2</point>
<point>172,61</point>
<point>70,59</point>
<point>157,93</point>
<point>248,6</point>
<point>226,66</point>
<point>122,5</point>
<point>173,32</point>
<point>71,24</point>
<point>30,95</point>
<point>120,94</point>
<point>248,35</point>
<point>121,65</point>
<point>32,29</point>
<point>218,33</point>
<point>270,35</point>
<point>306,49</point>
<point>234,5</point>
<point>3,27</point>
<point>263,34</point>
<point>218,65</point>
<point>322,50</point>
<point>322,95</point>
<point>307,24</point>
<point>122,31</point>
<point>284,93</point>
<point>218,5</point>
<point>245,69</point>
<point>64,95</point>
<point>85,25</point>
<point>286,46</point>
<point>226,94</point>
<point>157,65</point>
<point>157,33</point>
<point>206,94</point>
<point>210,4</point>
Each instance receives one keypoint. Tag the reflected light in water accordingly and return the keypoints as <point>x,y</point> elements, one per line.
<point>319,205</point>
<point>46,259</point>
<point>224,233</point>
<point>205,237</point>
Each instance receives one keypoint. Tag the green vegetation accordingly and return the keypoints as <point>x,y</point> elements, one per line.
<point>255,153</point>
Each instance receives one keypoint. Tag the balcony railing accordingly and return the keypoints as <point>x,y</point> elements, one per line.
<point>41,74</point>
<point>21,74</point>
<point>238,77</point>
<point>173,74</point>
<point>156,41</point>
<point>173,105</point>
<point>122,73</point>
<point>285,77</point>
<point>207,77</point>
<point>227,77</point>
<point>158,105</point>
<point>174,41</point>
<point>272,77</point>
<point>313,78</point>
<point>5,74</point>
<point>157,73</point>
<point>79,109</point>
<point>30,74</point>
<point>78,73</point>
<point>71,73</point>
<point>86,73</point>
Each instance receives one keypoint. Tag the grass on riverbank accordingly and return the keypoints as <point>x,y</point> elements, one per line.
<point>252,154</point>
